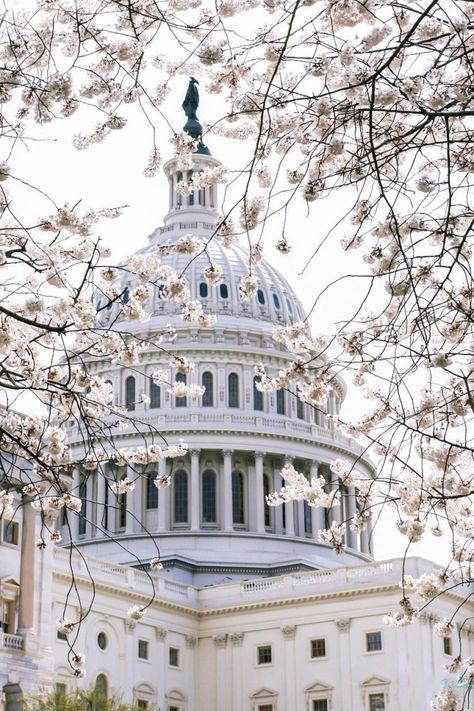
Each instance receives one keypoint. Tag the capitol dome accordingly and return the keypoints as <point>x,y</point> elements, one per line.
<point>213,522</point>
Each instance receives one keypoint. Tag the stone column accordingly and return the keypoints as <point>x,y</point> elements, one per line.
<point>289,632</point>
<point>26,621</point>
<point>101,487</point>
<point>299,524</point>
<point>195,491</point>
<point>161,664</point>
<point>164,512</point>
<point>317,514</point>
<point>290,509</point>
<point>364,541</point>
<point>370,540</point>
<point>277,511</point>
<point>336,511</point>
<point>220,642</point>
<point>260,521</point>
<point>227,517</point>
<point>351,540</point>
<point>344,656</point>
<point>237,639</point>
<point>129,519</point>
<point>190,666</point>
<point>73,518</point>
<point>136,501</point>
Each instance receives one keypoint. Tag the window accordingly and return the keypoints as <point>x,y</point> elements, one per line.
<point>280,402</point>
<point>61,636</point>
<point>299,409</point>
<point>142,649</point>
<point>373,641</point>
<point>180,480</point>
<point>257,395</point>
<point>155,395</point>
<point>83,511</point>
<point>376,702</point>
<point>102,640</point>
<point>60,689</point>
<point>265,707</point>
<point>142,704</point>
<point>209,509</point>
<point>7,613</point>
<point>447,649</point>
<point>180,401</point>
<point>173,708</point>
<point>126,295</point>
<point>10,532</point>
<point>264,654</point>
<point>276,301</point>
<point>224,291</point>
<point>130,393</point>
<point>320,705</point>
<point>267,516</point>
<point>203,290</point>
<point>238,510</point>
<point>318,648</point>
<point>260,297</point>
<point>308,521</point>
<point>151,491</point>
<point>173,657</point>
<point>208,397</point>
<point>122,509</point>
<point>233,387</point>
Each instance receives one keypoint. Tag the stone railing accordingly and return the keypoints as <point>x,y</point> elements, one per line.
<point>12,642</point>
<point>326,580</point>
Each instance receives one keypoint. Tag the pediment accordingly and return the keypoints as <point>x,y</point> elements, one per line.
<point>9,581</point>
<point>264,693</point>
<point>175,695</point>
<point>318,686</point>
<point>375,681</point>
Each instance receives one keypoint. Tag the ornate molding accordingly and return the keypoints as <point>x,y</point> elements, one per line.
<point>220,640</point>
<point>195,452</point>
<point>343,624</point>
<point>161,633</point>
<point>130,625</point>
<point>237,638</point>
<point>191,640</point>
<point>289,631</point>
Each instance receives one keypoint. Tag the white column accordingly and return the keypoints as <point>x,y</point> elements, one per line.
<point>370,540</point>
<point>300,518</point>
<point>195,491</point>
<point>227,491</point>
<point>73,518</point>
<point>260,521</point>
<point>277,511</point>
<point>336,511</point>
<point>129,519</point>
<point>351,512</point>
<point>101,485</point>
<point>289,509</point>
<point>164,512</point>
<point>317,514</point>
<point>27,568</point>
<point>220,642</point>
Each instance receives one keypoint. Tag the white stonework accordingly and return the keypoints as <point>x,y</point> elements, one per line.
<point>251,613</point>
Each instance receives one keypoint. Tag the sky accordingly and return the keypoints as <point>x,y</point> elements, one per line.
<point>111,174</point>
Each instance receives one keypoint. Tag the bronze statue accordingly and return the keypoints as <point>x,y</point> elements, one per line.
<point>191,100</point>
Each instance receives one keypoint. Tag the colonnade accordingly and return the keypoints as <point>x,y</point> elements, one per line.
<point>257,473</point>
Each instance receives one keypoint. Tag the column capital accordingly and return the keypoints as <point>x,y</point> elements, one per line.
<point>228,452</point>
<point>289,631</point>
<point>259,455</point>
<point>191,640</point>
<point>288,459</point>
<point>343,624</point>
<point>237,638</point>
<point>220,640</point>
<point>195,452</point>
<point>160,633</point>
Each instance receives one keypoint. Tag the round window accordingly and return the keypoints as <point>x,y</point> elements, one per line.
<point>102,640</point>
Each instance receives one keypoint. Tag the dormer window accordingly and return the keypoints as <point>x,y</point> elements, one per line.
<point>224,291</point>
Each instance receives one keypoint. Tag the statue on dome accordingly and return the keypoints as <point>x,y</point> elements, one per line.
<point>191,100</point>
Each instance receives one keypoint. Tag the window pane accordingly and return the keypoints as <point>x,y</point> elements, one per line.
<point>320,705</point>
<point>281,402</point>
<point>447,645</point>
<point>276,301</point>
<point>180,401</point>
<point>376,702</point>
<point>257,395</point>
<point>238,513</point>
<point>10,532</point>
<point>180,479</point>
<point>260,297</point>
<point>151,491</point>
<point>224,291</point>
<point>130,393</point>
<point>264,654</point>
<point>155,395</point>
<point>142,649</point>
<point>318,648</point>
<point>208,397</point>
<point>174,657</point>
<point>209,514</point>
<point>203,290</point>
<point>374,641</point>
<point>233,390</point>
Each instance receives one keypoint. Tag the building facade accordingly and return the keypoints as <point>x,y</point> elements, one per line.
<point>251,612</point>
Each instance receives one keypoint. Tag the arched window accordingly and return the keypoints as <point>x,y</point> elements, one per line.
<point>181,401</point>
<point>122,509</point>
<point>209,496</point>
<point>224,291</point>
<point>180,496</point>
<point>100,693</point>
<point>151,491</point>
<point>83,512</point>
<point>260,297</point>
<point>238,507</point>
<point>276,301</point>
<point>281,402</point>
<point>203,290</point>
<point>266,508</point>
<point>257,395</point>
<point>308,522</point>
<point>208,397</point>
<point>130,393</point>
<point>299,409</point>
<point>233,382</point>
<point>155,395</point>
